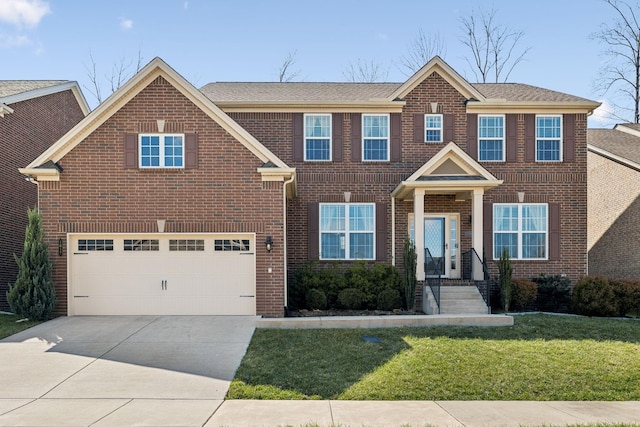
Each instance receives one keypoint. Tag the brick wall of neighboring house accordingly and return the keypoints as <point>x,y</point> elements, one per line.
<point>562,183</point>
<point>224,193</point>
<point>614,216</point>
<point>34,125</point>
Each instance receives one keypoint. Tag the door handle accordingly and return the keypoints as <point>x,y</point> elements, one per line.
<point>164,285</point>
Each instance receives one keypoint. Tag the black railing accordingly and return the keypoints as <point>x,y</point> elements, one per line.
<point>433,273</point>
<point>472,264</point>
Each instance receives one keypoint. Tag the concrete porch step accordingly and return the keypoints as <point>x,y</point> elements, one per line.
<point>461,300</point>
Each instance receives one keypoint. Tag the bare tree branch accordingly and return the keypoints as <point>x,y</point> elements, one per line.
<point>285,73</point>
<point>365,72</point>
<point>420,51</point>
<point>621,72</point>
<point>120,73</point>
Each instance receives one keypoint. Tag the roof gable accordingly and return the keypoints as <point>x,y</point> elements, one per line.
<point>437,65</point>
<point>157,67</point>
<point>12,91</point>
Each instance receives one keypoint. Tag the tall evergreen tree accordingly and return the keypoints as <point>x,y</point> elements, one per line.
<point>33,295</point>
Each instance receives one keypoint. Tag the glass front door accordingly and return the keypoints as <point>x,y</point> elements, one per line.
<point>441,238</point>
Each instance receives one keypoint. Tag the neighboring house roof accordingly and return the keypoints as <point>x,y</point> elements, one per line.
<point>12,91</point>
<point>252,95</point>
<point>157,67</point>
<point>616,144</point>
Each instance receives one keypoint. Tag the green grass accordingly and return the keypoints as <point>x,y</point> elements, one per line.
<point>542,357</point>
<point>8,325</point>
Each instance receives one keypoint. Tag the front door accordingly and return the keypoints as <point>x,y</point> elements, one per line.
<point>441,245</point>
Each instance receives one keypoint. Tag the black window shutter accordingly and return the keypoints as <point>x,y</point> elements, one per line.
<point>487,230</point>
<point>381,231</point>
<point>569,133</point>
<point>396,137</point>
<point>511,144</point>
<point>418,128</point>
<point>298,137</point>
<point>530,137</point>
<point>337,120</point>
<point>131,151</point>
<point>190,150</point>
<point>313,231</point>
<point>472,136</point>
<point>356,137</point>
<point>448,127</point>
<point>554,231</point>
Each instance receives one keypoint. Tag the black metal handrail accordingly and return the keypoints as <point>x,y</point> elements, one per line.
<point>433,273</point>
<point>471,263</point>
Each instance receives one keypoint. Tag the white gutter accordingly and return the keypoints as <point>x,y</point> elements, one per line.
<point>284,240</point>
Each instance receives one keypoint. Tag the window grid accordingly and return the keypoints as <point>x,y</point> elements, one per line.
<point>186,245</point>
<point>317,137</point>
<point>347,231</point>
<point>548,138</point>
<point>95,245</point>
<point>375,137</point>
<point>161,151</point>
<point>141,245</point>
<point>491,138</point>
<point>522,229</point>
<point>433,127</point>
<point>234,245</point>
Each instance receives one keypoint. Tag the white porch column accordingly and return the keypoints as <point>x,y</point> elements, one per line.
<point>477,233</point>
<point>418,228</point>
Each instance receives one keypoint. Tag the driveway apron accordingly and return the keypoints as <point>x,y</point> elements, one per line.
<point>83,370</point>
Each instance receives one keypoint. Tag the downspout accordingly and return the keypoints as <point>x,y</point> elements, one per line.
<point>284,233</point>
<point>393,231</point>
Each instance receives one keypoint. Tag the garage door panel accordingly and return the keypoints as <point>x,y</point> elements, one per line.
<point>163,281</point>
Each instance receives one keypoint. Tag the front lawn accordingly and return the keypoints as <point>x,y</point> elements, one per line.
<point>542,357</point>
<point>8,325</point>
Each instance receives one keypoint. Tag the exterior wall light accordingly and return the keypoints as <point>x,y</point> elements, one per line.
<point>269,243</point>
<point>59,247</point>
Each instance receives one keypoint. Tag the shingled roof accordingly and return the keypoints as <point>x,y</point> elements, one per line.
<point>619,143</point>
<point>248,92</point>
<point>14,87</point>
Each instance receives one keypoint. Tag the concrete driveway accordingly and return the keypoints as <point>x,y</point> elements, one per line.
<point>121,370</point>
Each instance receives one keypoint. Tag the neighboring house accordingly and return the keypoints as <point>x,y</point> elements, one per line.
<point>171,200</point>
<point>33,115</point>
<point>614,201</point>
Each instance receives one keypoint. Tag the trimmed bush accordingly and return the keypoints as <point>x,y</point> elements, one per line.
<point>524,293</point>
<point>389,299</point>
<point>409,257</point>
<point>627,294</point>
<point>316,299</point>
<point>350,299</point>
<point>593,296</point>
<point>554,293</point>
<point>506,270</point>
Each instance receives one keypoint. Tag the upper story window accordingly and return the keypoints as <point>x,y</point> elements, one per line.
<point>491,138</point>
<point>548,138</point>
<point>161,151</point>
<point>317,137</point>
<point>433,127</point>
<point>521,229</point>
<point>375,137</point>
<point>347,231</point>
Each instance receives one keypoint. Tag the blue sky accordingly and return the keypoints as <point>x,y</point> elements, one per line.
<point>243,40</point>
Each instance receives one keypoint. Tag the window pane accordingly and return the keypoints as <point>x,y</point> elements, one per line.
<point>490,138</point>
<point>317,149</point>
<point>375,126</point>
<point>375,149</point>
<point>534,218</point>
<point>433,135</point>
<point>433,121</point>
<point>361,246</point>
<point>361,218</point>
<point>548,149</point>
<point>150,150</point>
<point>505,218</point>
<point>332,246</point>
<point>548,127</point>
<point>534,245</point>
<point>491,149</point>
<point>317,126</point>
<point>505,240</point>
<point>332,218</point>
<point>173,151</point>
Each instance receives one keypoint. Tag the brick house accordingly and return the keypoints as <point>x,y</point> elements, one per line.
<point>168,199</point>
<point>614,213</point>
<point>33,115</point>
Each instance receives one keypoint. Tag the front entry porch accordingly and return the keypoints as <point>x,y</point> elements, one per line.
<point>437,235</point>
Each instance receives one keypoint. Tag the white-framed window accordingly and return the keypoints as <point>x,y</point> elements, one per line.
<point>317,137</point>
<point>347,231</point>
<point>433,128</point>
<point>491,138</point>
<point>161,150</point>
<point>95,245</point>
<point>549,138</point>
<point>231,245</point>
<point>375,137</point>
<point>186,245</point>
<point>142,245</point>
<point>522,229</point>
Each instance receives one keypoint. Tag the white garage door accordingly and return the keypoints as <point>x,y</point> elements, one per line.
<point>178,274</point>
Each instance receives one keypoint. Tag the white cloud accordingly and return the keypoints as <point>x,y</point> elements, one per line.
<point>126,24</point>
<point>9,41</point>
<point>21,13</point>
